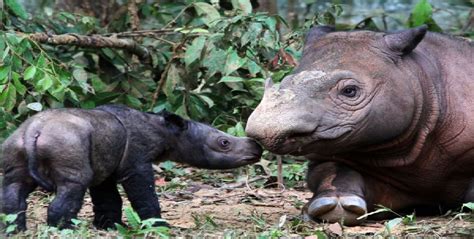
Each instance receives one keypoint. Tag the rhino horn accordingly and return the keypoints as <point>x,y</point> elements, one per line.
<point>403,42</point>
<point>315,34</point>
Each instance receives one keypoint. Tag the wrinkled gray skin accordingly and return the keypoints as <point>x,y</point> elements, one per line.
<point>71,150</point>
<point>384,119</point>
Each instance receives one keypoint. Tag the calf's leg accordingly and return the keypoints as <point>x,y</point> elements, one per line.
<point>17,183</point>
<point>14,197</point>
<point>140,188</point>
<point>66,204</point>
<point>107,204</point>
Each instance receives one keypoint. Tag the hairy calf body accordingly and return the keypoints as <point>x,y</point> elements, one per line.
<point>71,150</point>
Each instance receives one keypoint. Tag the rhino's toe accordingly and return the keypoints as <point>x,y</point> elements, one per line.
<point>337,209</point>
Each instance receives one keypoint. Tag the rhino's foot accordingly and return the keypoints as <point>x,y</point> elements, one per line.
<point>331,209</point>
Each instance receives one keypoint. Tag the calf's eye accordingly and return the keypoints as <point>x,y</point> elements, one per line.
<point>349,91</point>
<point>224,143</point>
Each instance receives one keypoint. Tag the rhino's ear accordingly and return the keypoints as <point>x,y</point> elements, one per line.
<point>315,34</point>
<point>404,42</point>
<point>268,83</point>
<point>174,121</point>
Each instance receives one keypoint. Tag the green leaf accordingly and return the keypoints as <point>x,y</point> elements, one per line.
<point>41,62</point>
<point>233,62</point>
<point>10,228</point>
<point>207,12</point>
<point>4,71</point>
<point>231,79</point>
<point>251,35</point>
<point>213,61</point>
<point>193,51</point>
<point>239,129</point>
<point>133,218</point>
<point>20,88</point>
<point>121,229</point>
<point>132,101</point>
<point>243,5</point>
<point>98,84</point>
<point>29,72</point>
<point>469,205</point>
<point>58,93</point>
<point>390,225</point>
<point>45,83</point>
<point>11,218</point>
<point>81,77</point>
<point>36,106</point>
<point>16,8</point>
<point>206,99</point>
<point>253,68</point>
<point>80,74</point>
<point>5,53</point>
<point>420,14</point>
<point>8,97</point>
<point>88,104</point>
<point>172,79</point>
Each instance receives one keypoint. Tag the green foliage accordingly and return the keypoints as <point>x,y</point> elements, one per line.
<point>141,228</point>
<point>468,205</point>
<point>7,223</point>
<point>16,9</point>
<point>391,224</point>
<point>421,14</point>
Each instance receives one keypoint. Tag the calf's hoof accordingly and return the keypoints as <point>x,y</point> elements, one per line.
<point>331,209</point>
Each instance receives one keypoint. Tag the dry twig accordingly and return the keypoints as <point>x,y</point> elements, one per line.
<point>94,41</point>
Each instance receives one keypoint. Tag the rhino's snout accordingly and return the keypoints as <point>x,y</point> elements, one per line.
<point>254,151</point>
<point>281,137</point>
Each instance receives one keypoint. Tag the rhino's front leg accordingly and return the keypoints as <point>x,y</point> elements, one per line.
<point>470,192</point>
<point>139,186</point>
<point>339,193</point>
<point>107,204</point>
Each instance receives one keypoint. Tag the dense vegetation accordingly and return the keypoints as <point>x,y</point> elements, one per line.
<point>205,60</point>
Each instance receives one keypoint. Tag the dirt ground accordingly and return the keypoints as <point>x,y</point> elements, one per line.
<point>201,210</point>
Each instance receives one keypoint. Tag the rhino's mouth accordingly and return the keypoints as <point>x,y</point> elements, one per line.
<point>301,143</point>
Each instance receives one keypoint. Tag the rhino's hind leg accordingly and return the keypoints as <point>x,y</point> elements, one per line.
<point>338,194</point>
<point>107,204</point>
<point>14,199</point>
<point>17,183</point>
<point>66,204</point>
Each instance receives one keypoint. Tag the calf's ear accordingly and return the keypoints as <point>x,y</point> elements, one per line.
<point>404,42</point>
<point>174,121</point>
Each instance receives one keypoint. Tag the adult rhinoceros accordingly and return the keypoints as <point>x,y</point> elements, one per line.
<point>384,118</point>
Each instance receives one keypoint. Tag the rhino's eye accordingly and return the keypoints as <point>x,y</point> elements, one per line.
<point>349,91</point>
<point>224,143</point>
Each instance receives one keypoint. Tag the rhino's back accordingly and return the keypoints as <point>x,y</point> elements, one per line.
<point>65,133</point>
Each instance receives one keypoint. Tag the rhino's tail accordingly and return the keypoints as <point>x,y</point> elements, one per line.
<point>33,164</point>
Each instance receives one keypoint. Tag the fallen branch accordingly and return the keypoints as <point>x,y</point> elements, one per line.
<point>93,41</point>
<point>142,33</point>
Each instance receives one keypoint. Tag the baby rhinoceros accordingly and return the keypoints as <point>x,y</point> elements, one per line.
<point>71,150</point>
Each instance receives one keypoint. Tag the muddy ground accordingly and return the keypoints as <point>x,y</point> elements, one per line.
<point>247,209</point>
